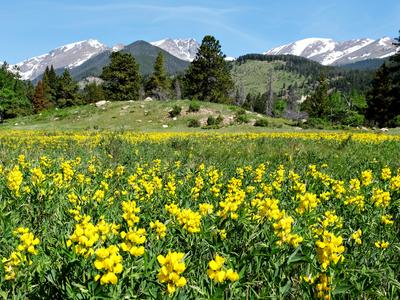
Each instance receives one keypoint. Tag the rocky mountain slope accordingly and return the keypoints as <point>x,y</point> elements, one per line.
<point>185,49</point>
<point>330,52</point>
<point>67,56</point>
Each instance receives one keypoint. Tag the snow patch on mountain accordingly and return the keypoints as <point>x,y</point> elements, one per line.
<point>330,52</point>
<point>67,56</point>
<point>185,49</point>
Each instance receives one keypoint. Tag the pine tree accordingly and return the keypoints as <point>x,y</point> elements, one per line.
<point>157,85</point>
<point>50,84</point>
<point>381,99</point>
<point>93,92</point>
<point>39,101</point>
<point>316,105</point>
<point>121,77</point>
<point>208,77</point>
<point>67,90</point>
<point>13,99</point>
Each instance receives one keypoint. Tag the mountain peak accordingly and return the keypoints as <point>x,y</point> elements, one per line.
<point>66,56</point>
<point>330,52</point>
<point>185,49</point>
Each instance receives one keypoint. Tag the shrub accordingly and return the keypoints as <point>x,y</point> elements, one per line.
<point>211,121</point>
<point>396,121</point>
<point>194,123</point>
<point>219,119</point>
<point>354,119</point>
<point>261,123</point>
<point>194,106</point>
<point>176,111</point>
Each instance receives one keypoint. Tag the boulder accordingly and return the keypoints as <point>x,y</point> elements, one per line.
<point>148,99</point>
<point>101,103</point>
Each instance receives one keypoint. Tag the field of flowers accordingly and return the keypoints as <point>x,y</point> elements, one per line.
<point>199,216</point>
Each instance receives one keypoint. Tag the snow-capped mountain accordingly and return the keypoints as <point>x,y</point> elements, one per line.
<point>67,56</point>
<point>185,49</point>
<point>330,52</point>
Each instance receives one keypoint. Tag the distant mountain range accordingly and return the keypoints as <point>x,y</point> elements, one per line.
<point>68,56</point>
<point>185,49</point>
<point>330,52</point>
<point>87,58</point>
<point>144,53</point>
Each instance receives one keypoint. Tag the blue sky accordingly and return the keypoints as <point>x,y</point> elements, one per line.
<point>32,27</point>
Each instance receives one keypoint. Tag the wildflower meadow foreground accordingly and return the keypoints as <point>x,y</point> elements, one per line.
<point>199,216</point>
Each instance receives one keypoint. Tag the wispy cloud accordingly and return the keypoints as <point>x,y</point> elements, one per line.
<point>169,9</point>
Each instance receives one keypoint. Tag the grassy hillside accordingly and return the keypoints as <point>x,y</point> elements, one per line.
<point>137,116</point>
<point>253,76</point>
<point>253,71</point>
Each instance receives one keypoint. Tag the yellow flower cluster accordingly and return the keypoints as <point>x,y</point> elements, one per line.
<point>199,184</point>
<point>329,249</point>
<point>133,239</point>
<point>14,180</point>
<point>395,183</point>
<point>172,266</point>
<point>109,261</point>
<point>322,285</point>
<point>358,201</point>
<point>84,236</point>
<point>283,229</point>
<point>386,173</point>
<point>219,275</point>
<point>382,244</point>
<point>380,198</point>
<point>356,236</point>
<point>206,209</point>
<point>37,176</point>
<point>366,177</point>
<point>160,228</point>
<point>233,199</point>
<point>130,210</point>
<point>189,220</point>
<point>27,245</point>
<point>307,203</point>
<point>387,219</point>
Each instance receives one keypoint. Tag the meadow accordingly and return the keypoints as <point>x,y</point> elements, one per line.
<point>123,215</point>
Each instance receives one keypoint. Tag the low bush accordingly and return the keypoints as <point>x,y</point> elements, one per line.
<point>194,123</point>
<point>176,111</point>
<point>194,106</point>
<point>261,123</point>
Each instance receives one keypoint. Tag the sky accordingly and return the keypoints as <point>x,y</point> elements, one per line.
<point>32,27</point>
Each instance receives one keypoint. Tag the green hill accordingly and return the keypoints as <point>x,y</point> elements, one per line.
<point>137,116</point>
<point>252,72</point>
<point>253,76</point>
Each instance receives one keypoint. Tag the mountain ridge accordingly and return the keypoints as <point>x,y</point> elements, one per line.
<point>331,52</point>
<point>144,53</point>
<point>185,49</point>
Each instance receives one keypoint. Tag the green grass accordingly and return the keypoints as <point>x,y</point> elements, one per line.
<point>253,76</point>
<point>135,116</point>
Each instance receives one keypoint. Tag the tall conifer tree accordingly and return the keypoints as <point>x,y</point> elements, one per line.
<point>208,77</point>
